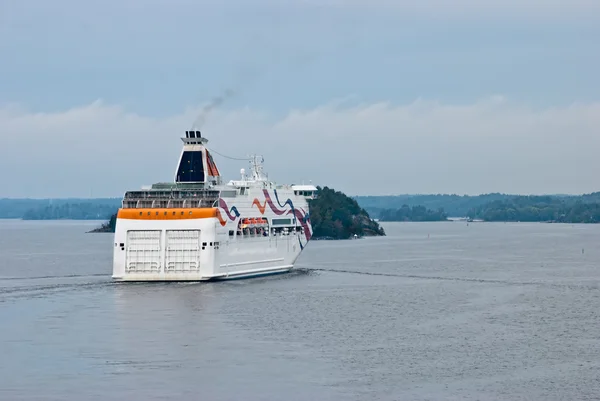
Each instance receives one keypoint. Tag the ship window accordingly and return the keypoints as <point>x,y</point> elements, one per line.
<point>282,221</point>
<point>191,167</point>
<point>231,233</point>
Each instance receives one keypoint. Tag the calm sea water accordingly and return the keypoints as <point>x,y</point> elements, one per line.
<point>433,311</point>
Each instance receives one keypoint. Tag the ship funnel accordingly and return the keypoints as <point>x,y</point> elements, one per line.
<point>196,164</point>
<point>193,134</point>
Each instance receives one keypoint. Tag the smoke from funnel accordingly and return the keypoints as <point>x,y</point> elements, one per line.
<point>215,102</point>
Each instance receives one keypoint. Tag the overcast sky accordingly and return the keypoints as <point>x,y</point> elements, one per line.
<point>369,97</point>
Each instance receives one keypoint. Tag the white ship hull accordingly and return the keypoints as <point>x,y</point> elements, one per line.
<point>197,229</point>
<point>207,244</point>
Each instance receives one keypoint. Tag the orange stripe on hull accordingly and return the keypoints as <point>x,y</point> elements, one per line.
<point>167,214</point>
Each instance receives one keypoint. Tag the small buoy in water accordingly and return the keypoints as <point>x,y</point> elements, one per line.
<point>582,250</point>
<point>427,235</point>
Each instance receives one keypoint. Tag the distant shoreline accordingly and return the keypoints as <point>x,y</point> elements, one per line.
<point>493,207</point>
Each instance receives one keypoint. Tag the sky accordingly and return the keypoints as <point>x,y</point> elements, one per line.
<point>370,97</point>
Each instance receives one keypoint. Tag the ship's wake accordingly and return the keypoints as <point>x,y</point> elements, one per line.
<point>595,286</point>
<point>54,277</point>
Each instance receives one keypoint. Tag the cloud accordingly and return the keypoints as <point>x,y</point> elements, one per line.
<point>460,7</point>
<point>494,144</point>
<point>453,4</point>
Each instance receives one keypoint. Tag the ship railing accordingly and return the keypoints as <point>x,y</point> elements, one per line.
<point>167,203</point>
<point>196,194</point>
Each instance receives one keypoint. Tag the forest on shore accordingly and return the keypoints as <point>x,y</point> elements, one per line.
<point>488,207</point>
<point>337,215</point>
<point>59,209</point>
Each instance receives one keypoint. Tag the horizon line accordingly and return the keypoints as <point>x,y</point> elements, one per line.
<point>351,196</point>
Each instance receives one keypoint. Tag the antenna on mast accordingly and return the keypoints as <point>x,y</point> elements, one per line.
<point>256,166</point>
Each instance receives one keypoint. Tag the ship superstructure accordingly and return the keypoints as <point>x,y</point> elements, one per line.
<point>198,228</point>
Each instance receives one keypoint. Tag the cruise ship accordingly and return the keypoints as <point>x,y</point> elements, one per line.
<point>198,228</point>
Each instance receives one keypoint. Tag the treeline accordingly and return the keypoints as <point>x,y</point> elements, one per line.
<point>71,211</point>
<point>58,209</point>
<point>490,207</point>
<point>459,205</point>
<point>539,208</point>
<point>415,213</point>
<point>337,216</point>
<point>453,205</point>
